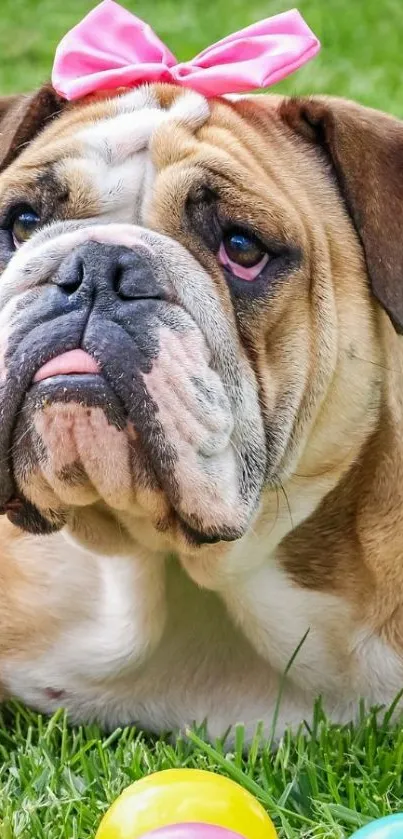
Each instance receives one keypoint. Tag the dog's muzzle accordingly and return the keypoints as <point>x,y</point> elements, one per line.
<point>146,407</point>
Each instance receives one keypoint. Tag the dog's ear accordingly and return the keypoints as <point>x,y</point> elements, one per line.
<point>22,117</point>
<point>365,148</point>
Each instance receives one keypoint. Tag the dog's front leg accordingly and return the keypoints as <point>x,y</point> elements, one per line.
<point>284,622</point>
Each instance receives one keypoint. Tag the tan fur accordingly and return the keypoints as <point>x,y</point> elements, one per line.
<point>25,625</point>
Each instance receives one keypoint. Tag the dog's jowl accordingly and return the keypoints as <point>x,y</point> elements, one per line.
<point>201,407</point>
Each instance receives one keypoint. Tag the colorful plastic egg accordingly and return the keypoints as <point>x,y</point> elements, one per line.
<point>186,804</point>
<point>192,831</point>
<point>391,827</point>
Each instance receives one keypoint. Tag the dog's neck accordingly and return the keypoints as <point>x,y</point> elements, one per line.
<point>351,544</point>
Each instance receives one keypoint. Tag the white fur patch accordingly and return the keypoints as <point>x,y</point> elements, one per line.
<point>138,642</point>
<point>116,149</point>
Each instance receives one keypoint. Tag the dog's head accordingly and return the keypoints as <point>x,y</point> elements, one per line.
<point>183,297</point>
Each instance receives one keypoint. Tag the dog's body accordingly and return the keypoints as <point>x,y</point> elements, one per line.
<point>225,479</point>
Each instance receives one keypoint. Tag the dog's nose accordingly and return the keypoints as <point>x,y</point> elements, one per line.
<point>113,269</point>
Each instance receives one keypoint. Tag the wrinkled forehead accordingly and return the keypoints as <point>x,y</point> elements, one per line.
<point>146,156</point>
<point>98,157</point>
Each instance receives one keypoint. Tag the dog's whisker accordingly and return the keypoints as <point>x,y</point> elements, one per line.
<point>287,503</point>
<point>371,361</point>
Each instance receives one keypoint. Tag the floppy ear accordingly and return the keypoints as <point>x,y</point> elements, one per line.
<point>365,148</point>
<point>22,117</point>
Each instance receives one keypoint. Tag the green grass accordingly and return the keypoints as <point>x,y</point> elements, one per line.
<point>56,782</point>
<point>361,55</point>
<point>324,782</point>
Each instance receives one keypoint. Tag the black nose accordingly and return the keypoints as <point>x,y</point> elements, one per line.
<point>97,268</point>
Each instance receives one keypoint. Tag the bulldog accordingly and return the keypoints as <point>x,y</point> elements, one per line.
<point>201,437</point>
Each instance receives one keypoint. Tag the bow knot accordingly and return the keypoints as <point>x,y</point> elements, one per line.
<point>112,48</point>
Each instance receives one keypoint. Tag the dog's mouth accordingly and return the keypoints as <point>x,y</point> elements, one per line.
<point>90,431</point>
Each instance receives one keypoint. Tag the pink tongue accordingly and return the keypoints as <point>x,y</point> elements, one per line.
<point>75,361</point>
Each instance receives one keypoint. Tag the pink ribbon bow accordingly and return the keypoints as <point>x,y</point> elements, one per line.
<point>111,49</point>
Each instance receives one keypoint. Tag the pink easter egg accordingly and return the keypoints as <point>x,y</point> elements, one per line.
<point>192,830</point>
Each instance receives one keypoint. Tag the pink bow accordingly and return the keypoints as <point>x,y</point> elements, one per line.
<point>111,49</point>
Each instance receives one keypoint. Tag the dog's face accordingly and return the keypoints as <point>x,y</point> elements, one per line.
<point>181,288</point>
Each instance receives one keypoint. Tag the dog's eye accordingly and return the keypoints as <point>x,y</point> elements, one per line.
<point>23,225</point>
<point>242,254</point>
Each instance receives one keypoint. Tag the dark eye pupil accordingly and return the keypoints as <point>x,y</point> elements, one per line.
<point>243,249</point>
<point>242,243</point>
<point>27,220</point>
<point>24,225</point>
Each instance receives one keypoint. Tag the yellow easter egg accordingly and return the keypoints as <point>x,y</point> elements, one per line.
<point>177,796</point>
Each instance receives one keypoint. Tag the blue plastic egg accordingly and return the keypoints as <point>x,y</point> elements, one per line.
<point>391,827</point>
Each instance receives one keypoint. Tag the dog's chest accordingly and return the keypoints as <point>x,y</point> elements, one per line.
<point>151,648</point>
<point>137,644</point>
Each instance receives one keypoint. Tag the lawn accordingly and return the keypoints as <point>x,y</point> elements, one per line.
<point>326,781</point>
